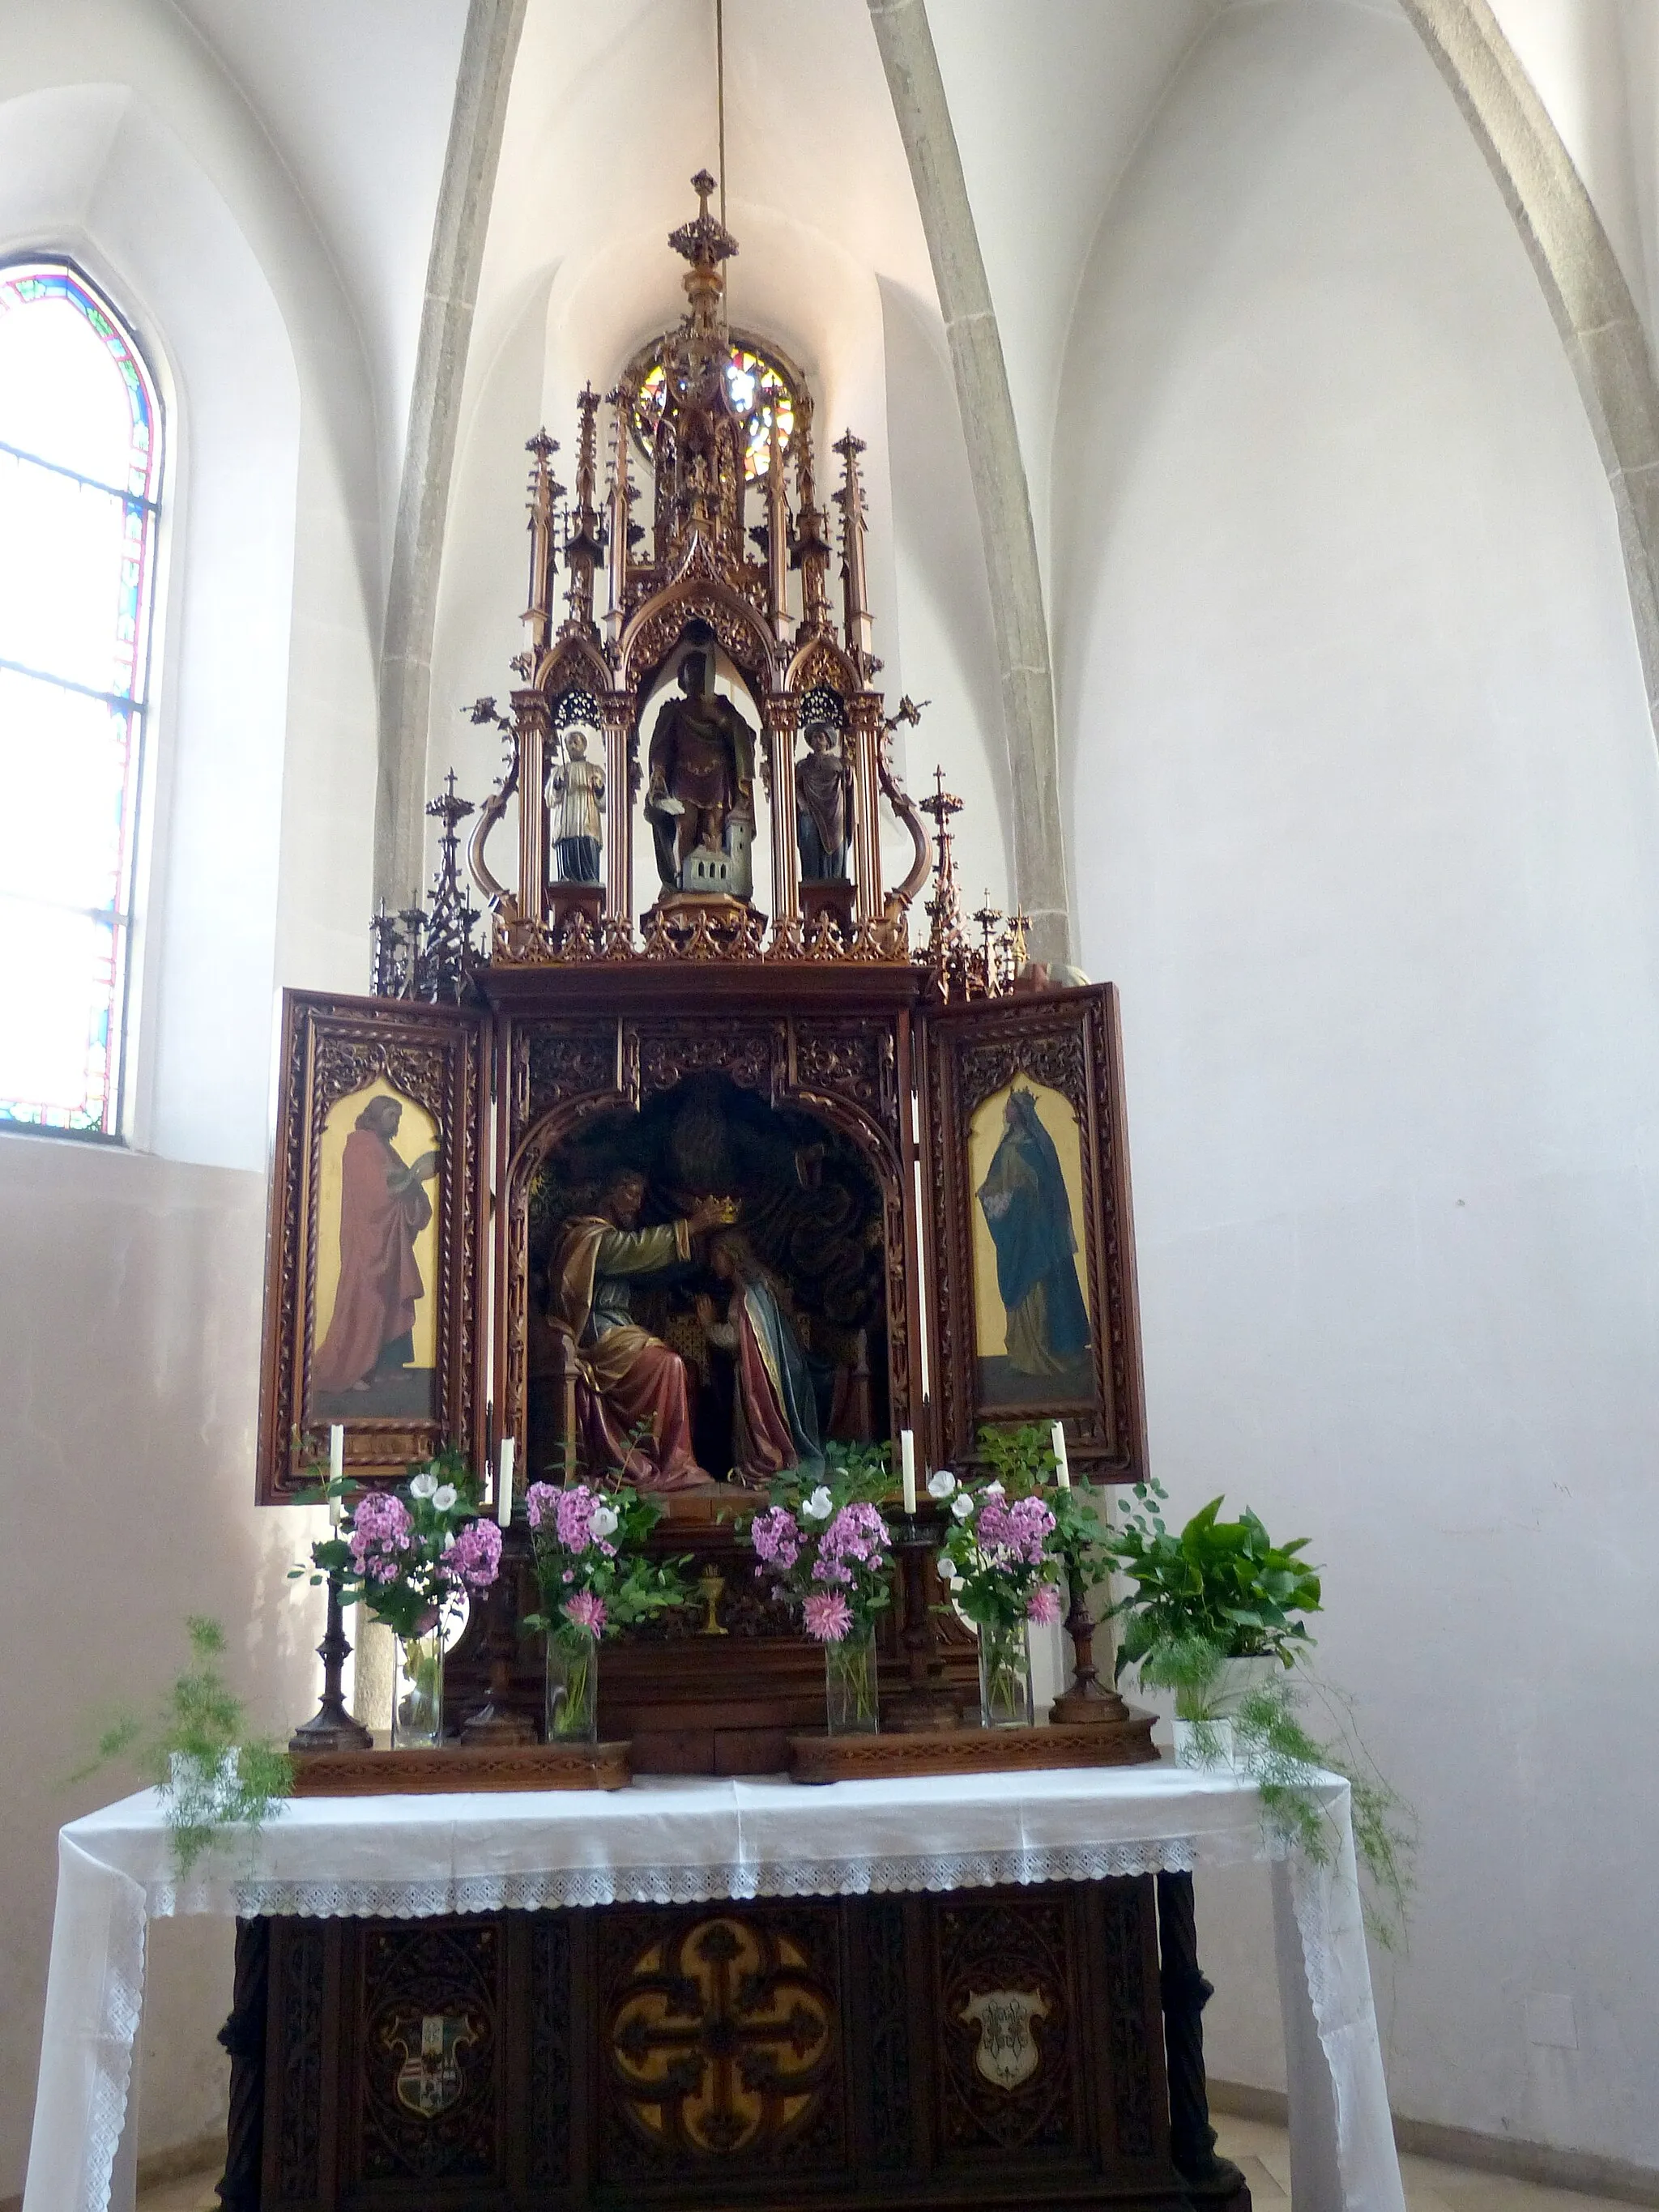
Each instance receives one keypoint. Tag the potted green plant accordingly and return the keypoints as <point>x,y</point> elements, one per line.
<point>213,1776</point>
<point>1217,1606</point>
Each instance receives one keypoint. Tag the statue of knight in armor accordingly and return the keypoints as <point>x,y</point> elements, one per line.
<point>701,769</point>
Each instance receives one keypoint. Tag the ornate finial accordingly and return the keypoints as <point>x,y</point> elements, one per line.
<point>988,916</point>
<point>438,968</point>
<point>1015,943</point>
<point>947,955</point>
<point>706,242</point>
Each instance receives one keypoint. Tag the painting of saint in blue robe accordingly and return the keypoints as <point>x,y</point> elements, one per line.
<point>1028,1211</point>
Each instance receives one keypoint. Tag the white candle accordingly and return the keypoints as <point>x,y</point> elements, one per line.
<point>504,1484</point>
<point>336,1471</point>
<point>1062,1465</point>
<point>908,1467</point>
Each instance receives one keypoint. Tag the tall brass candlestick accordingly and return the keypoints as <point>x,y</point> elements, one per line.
<point>331,1728</point>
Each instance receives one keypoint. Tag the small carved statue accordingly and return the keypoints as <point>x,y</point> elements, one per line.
<point>576,791</point>
<point>702,764</point>
<point>823,785</point>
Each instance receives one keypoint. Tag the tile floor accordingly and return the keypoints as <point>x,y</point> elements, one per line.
<point>1258,2148</point>
<point>1264,2154</point>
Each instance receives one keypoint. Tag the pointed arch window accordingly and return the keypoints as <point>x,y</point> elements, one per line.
<point>80,480</point>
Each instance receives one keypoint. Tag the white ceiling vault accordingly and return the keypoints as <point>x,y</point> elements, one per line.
<point>614,107</point>
<point>611,108</point>
<point>355,100</point>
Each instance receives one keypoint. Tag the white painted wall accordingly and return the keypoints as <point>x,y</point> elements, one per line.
<point>1366,817</point>
<point>129,1296</point>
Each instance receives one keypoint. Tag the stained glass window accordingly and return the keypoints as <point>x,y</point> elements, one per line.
<point>760,387</point>
<point>79,471</point>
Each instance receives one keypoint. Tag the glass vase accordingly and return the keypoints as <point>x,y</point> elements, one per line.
<point>572,1688</point>
<point>1004,1677</point>
<point>849,1683</point>
<point>417,1703</point>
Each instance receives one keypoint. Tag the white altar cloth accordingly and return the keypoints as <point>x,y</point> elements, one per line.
<point>684,1842</point>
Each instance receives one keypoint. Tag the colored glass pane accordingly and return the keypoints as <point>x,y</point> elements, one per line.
<point>79,472</point>
<point>759,390</point>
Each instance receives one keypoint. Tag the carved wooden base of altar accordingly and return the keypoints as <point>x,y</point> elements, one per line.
<point>461,1767</point>
<point>1128,1742</point>
<point>994,2048</point>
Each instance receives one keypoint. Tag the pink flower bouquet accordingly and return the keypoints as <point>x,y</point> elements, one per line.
<point>831,1556</point>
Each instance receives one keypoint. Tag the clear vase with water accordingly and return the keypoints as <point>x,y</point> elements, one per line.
<point>1005,1676</point>
<point>418,1704</point>
<point>573,1687</point>
<point>849,1684</point>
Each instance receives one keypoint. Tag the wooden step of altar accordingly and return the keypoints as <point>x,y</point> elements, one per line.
<point>412,1773</point>
<point>1128,1742</point>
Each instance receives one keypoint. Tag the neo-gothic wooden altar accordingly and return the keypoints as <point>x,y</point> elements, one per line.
<point>704,1021</point>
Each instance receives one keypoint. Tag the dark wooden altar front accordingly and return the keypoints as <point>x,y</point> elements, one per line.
<point>836,2052</point>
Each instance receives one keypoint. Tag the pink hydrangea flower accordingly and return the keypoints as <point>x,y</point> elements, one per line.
<point>585,1611</point>
<point>828,1616</point>
<point>380,1531</point>
<point>1014,1535</point>
<point>473,1556</point>
<point>1045,1605</point>
<point>776,1538</point>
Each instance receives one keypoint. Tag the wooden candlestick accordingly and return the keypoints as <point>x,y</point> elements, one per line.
<point>1087,1703</point>
<point>498,1721</point>
<point>331,1728</point>
<point>925,1704</point>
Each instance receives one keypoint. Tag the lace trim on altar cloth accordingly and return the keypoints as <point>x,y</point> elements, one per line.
<point>739,1881</point>
<point>123,1997</point>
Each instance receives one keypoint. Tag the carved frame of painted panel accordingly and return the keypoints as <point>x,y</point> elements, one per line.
<point>373,1315</point>
<point>1031,1278</point>
<point>713,1103</point>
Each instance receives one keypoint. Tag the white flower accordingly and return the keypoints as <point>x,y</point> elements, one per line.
<point>994,1489</point>
<point>819,1506</point>
<point>605,1521</point>
<point>442,1498</point>
<point>948,1572</point>
<point>962,1506</point>
<point>942,1484</point>
<point>423,1484</point>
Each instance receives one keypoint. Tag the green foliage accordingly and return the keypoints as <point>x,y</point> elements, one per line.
<point>409,1605</point>
<point>1223,1583</point>
<point>1023,1460</point>
<point>854,1473</point>
<point>631,1586</point>
<point>1194,1668</point>
<point>1285,1761</point>
<point>223,1778</point>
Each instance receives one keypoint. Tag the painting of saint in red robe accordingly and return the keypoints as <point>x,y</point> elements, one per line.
<point>365,1364</point>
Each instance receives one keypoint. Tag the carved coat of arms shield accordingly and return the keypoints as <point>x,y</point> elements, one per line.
<point>1009,2052</point>
<point>430,2079</point>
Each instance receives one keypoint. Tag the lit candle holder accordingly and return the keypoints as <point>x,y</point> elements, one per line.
<point>336,1473</point>
<point>504,1484</point>
<point>1062,1465</point>
<point>908,1468</point>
